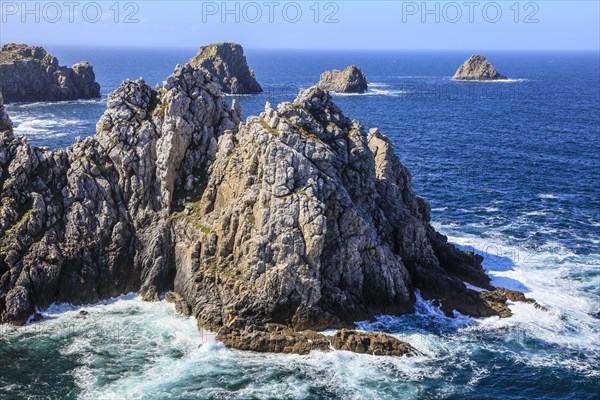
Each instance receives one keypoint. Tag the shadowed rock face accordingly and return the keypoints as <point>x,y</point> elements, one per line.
<point>297,218</point>
<point>5,122</point>
<point>226,61</point>
<point>350,80</point>
<point>29,74</point>
<point>92,222</point>
<point>477,68</point>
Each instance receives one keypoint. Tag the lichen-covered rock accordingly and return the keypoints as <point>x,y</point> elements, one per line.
<point>319,214</point>
<point>29,74</point>
<point>477,68</point>
<point>226,61</point>
<point>350,80</point>
<point>297,220</point>
<point>91,222</point>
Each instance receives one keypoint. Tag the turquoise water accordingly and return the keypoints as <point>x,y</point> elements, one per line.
<point>511,172</point>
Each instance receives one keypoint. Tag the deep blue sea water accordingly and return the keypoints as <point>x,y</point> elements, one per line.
<point>511,170</point>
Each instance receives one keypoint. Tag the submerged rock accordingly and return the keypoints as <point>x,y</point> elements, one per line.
<point>29,74</point>
<point>477,68</point>
<point>282,339</point>
<point>374,343</point>
<point>226,61</point>
<point>295,221</point>
<point>350,80</point>
<point>497,298</point>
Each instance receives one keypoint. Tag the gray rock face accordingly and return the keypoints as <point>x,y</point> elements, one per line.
<point>226,61</point>
<point>91,222</point>
<point>319,214</point>
<point>350,80</point>
<point>477,68</point>
<point>5,122</point>
<point>297,218</point>
<point>29,74</point>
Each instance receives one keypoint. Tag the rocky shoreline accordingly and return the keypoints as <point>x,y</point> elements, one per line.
<point>266,231</point>
<point>29,74</point>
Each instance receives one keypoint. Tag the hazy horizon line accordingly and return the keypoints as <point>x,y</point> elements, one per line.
<point>183,47</point>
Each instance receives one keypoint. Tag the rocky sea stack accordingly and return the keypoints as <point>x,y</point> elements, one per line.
<point>295,221</point>
<point>477,68</point>
<point>350,80</point>
<point>226,61</point>
<point>29,74</point>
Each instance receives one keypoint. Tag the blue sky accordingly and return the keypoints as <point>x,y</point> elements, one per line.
<point>412,25</point>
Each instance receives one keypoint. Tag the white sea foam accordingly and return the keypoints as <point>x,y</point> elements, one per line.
<point>40,104</point>
<point>376,92</point>
<point>547,196</point>
<point>536,213</point>
<point>492,209</point>
<point>376,84</point>
<point>437,209</point>
<point>510,80</point>
<point>543,275</point>
<point>416,76</point>
<point>128,349</point>
<point>45,125</point>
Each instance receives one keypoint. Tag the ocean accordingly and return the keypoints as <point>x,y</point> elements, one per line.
<point>511,170</point>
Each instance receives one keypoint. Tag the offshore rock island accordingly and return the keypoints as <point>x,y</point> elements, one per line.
<point>29,74</point>
<point>477,68</point>
<point>350,80</point>
<point>226,61</point>
<point>266,231</point>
